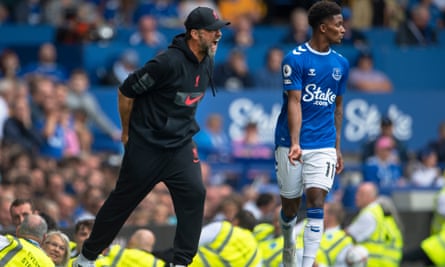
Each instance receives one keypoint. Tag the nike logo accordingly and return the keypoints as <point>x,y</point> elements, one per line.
<point>190,101</point>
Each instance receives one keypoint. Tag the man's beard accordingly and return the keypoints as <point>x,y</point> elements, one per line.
<point>211,53</point>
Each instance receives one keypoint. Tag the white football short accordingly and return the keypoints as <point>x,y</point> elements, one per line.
<point>317,170</point>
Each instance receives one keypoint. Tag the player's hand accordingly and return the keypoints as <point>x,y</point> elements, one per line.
<point>340,164</point>
<point>124,138</point>
<point>294,154</point>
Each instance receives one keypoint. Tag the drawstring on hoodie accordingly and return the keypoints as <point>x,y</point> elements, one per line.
<point>212,84</point>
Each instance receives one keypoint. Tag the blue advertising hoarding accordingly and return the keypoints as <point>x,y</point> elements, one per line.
<point>416,115</point>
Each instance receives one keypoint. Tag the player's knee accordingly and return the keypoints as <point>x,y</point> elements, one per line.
<point>316,197</point>
<point>290,207</point>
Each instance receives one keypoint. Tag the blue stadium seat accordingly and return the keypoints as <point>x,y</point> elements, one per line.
<point>19,34</point>
<point>269,35</point>
<point>412,68</point>
<point>380,37</point>
<point>107,97</point>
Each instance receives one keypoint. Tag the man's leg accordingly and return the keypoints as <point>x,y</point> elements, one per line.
<point>318,174</point>
<point>134,183</point>
<point>188,194</point>
<point>288,230</point>
<point>313,230</point>
<point>291,190</point>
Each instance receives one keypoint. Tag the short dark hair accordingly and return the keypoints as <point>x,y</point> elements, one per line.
<point>322,10</point>
<point>21,201</point>
<point>264,199</point>
<point>246,219</point>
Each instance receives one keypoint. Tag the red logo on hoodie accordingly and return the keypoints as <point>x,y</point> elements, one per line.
<point>197,81</point>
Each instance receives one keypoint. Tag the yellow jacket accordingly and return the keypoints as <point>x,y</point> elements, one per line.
<point>21,252</point>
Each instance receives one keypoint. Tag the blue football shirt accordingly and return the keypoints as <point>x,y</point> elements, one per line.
<point>321,76</point>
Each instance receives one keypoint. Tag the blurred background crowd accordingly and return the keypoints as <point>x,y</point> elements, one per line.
<point>54,54</point>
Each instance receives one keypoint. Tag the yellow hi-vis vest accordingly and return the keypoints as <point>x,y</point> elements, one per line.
<point>232,246</point>
<point>393,239</point>
<point>438,220</point>
<point>263,231</point>
<point>73,249</point>
<point>434,247</point>
<point>272,251</point>
<point>375,243</point>
<point>126,257</point>
<point>331,245</point>
<point>21,252</point>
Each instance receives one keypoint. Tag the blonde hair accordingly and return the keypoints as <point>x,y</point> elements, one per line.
<point>66,242</point>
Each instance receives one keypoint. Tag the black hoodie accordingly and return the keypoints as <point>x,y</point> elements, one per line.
<point>166,92</point>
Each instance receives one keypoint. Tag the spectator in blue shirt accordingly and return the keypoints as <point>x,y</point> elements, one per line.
<point>46,65</point>
<point>383,168</point>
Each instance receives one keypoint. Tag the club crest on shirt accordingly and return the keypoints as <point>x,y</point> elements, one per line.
<point>336,74</point>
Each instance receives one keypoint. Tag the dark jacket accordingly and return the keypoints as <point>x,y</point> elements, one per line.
<point>15,132</point>
<point>166,92</point>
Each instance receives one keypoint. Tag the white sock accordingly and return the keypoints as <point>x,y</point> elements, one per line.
<point>288,231</point>
<point>312,237</point>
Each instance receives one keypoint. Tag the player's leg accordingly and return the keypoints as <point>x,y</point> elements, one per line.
<point>318,173</point>
<point>291,190</point>
<point>138,165</point>
<point>188,193</point>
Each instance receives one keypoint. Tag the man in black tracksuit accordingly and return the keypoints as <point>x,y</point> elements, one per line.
<point>157,106</point>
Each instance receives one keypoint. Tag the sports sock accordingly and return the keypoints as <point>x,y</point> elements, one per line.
<point>287,229</point>
<point>312,235</point>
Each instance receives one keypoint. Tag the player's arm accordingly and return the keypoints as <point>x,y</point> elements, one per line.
<point>125,107</point>
<point>294,121</point>
<point>338,118</point>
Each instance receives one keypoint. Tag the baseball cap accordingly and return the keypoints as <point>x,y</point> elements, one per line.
<point>384,142</point>
<point>386,121</point>
<point>84,217</point>
<point>204,18</point>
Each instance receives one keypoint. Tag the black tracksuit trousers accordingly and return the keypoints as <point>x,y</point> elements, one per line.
<point>142,168</point>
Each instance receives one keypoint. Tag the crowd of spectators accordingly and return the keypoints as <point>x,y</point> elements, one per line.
<point>47,112</point>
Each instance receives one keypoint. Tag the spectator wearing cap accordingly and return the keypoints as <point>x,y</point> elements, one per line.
<point>386,129</point>
<point>383,168</point>
<point>82,230</point>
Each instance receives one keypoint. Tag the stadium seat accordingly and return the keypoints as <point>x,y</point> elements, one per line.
<point>26,34</point>
<point>412,68</point>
